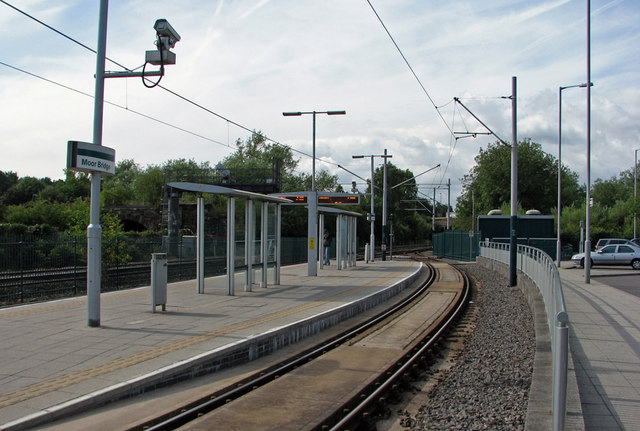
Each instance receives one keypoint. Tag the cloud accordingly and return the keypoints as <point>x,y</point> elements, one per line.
<point>250,61</point>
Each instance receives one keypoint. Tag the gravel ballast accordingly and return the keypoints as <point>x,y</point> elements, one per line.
<point>488,386</point>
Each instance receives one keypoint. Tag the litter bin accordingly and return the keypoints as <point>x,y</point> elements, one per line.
<point>158,281</point>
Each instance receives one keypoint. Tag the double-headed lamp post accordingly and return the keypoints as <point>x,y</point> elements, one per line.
<point>372,239</point>
<point>312,218</point>
<point>558,242</point>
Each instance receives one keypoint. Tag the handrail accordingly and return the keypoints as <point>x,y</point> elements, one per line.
<point>541,269</point>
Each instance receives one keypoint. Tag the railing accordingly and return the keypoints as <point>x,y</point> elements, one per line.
<point>540,268</point>
<point>44,268</point>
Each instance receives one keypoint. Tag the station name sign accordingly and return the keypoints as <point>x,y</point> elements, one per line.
<point>86,157</point>
<point>324,198</point>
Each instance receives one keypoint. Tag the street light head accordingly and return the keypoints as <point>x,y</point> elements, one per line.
<point>584,85</point>
<point>336,112</point>
<point>357,157</point>
<point>292,114</point>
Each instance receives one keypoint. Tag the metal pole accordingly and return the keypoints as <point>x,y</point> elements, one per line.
<point>313,160</point>
<point>94,230</point>
<point>587,242</point>
<point>560,366</point>
<point>372,248</point>
<point>384,208</point>
<point>231,245</point>
<point>473,210</point>
<point>200,245</point>
<point>278,256</point>
<point>312,234</point>
<point>558,245</point>
<point>433,214</point>
<point>449,204</point>
<point>635,191</point>
<point>513,279</point>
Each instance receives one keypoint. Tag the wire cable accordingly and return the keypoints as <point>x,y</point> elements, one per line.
<point>159,86</point>
<point>410,68</point>
<point>66,87</point>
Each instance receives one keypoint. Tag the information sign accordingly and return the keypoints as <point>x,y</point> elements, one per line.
<point>86,157</point>
<point>324,198</point>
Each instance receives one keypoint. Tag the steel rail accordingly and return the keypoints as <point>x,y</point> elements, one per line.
<point>211,402</point>
<point>385,386</point>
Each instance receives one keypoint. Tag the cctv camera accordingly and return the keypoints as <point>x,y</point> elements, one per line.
<point>166,33</point>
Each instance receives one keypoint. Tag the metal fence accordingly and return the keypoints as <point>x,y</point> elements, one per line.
<point>541,269</point>
<point>34,268</point>
<point>457,244</point>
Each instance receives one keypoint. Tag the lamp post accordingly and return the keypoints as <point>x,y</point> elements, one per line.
<point>635,190</point>
<point>587,241</point>
<point>558,242</point>
<point>166,39</point>
<point>312,218</point>
<point>372,239</point>
<point>384,208</point>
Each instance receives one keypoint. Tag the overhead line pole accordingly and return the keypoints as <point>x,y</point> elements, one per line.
<point>514,178</point>
<point>587,242</point>
<point>513,279</point>
<point>479,121</point>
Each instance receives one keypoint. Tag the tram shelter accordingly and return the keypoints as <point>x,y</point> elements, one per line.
<point>346,237</point>
<point>250,198</point>
<point>345,225</point>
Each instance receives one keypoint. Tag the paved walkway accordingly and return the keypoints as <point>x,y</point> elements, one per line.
<point>50,360</point>
<point>605,344</point>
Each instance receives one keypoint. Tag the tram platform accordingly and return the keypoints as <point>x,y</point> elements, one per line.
<point>54,364</point>
<point>604,338</point>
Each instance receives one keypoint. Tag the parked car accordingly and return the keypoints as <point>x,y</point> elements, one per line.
<point>615,254</point>
<point>609,241</point>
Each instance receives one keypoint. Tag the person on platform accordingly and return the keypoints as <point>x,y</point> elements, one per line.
<point>326,243</point>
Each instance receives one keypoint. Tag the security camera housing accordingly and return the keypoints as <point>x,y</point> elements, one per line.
<point>164,30</point>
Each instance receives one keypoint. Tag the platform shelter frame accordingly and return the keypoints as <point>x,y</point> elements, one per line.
<point>250,198</point>
<point>346,237</point>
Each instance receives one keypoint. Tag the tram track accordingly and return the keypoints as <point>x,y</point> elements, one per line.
<point>314,370</point>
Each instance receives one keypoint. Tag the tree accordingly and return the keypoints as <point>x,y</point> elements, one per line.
<point>489,181</point>
<point>24,190</point>
<point>7,180</point>
<point>75,185</point>
<point>408,225</point>
<point>148,186</point>
<point>119,189</point>
<point>256,153</point>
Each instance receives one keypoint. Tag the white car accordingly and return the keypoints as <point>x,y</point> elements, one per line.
<point>615,254</point>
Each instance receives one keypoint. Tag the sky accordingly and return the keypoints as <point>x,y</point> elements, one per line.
<point>248,61</point>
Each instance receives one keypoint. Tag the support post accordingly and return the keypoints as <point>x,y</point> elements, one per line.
<point>264,253</point>
<point>312,234</point>
<point>384,208</point>
<point>339,243</point>
<point>560,366</point>
<point>321,229</point>
<point>449,204</point>
<point>278,256</point>
<point>372,240</point>
<point>587,242</point>
<point>231,245</point>
<point>513,249</point>
<point>94,230</point>
<point>248,244</point>
<point>200,245</point>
